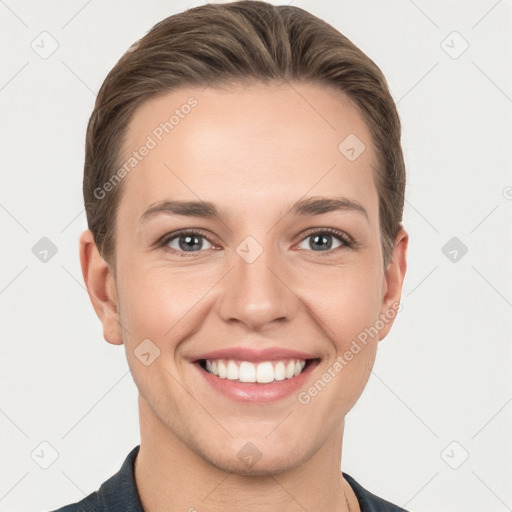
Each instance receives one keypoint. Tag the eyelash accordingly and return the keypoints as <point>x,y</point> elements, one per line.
<point>348,242</point>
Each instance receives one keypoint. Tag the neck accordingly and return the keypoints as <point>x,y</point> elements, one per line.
<point>170,476</point>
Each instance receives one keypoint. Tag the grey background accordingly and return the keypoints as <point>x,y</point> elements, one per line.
<point>441,387</point>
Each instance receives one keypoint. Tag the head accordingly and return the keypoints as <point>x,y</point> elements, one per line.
<point>288,136</point>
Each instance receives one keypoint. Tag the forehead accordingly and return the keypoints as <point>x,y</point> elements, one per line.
<point>247,145</point>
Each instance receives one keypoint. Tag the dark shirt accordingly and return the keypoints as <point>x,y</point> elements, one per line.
<point>119,494</point>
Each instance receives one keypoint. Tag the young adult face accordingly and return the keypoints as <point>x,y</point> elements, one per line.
<point>259,284</point>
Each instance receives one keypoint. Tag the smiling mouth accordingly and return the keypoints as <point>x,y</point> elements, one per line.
<point>264,372</point>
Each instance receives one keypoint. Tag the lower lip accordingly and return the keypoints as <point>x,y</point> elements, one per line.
<point>255,391</point>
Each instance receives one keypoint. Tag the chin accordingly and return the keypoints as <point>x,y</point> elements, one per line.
<point>259,458</point>
<point>266,466</point>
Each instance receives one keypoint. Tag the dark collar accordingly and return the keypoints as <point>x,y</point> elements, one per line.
<point>119,492</point>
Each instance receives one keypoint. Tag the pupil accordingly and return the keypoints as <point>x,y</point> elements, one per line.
<point>193,240</point>
<point>327,239</point>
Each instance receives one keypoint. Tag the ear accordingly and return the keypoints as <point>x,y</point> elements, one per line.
<point>101,288</point>
<point>393,282</point>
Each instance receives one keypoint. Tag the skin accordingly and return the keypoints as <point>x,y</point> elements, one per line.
<point>252,151</point>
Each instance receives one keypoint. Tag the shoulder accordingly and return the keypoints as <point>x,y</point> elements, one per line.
<point>119,492</point>
<point>369,502</point>
<point>90,503</point>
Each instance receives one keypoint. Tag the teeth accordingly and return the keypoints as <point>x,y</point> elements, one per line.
<point>290,369</point>
<point>223,371</point>
<point>247,372</point>
<point>280,371</point>
<point>232,372</point>
<point>264,372</point>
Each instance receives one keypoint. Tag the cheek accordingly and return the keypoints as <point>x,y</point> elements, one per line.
<point>345,301</point>
<point>346,304</point>
<point>158,302</point>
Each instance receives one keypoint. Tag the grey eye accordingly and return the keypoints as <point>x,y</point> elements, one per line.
<point>321,242</point>
<point>188,242</point>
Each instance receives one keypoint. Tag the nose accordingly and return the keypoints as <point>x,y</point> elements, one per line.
<point>257,293</point>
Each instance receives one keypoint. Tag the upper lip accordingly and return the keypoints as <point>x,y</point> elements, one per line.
<point>255,355</point>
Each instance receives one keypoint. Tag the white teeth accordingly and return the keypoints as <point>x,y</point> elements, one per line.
<point>223,372</point>
<point>264,372</point>
<point>247,372</point>
<point>232,371</point>
<point>280,371</point>
<point>290,369</point>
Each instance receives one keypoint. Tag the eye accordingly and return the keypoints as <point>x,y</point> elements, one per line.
<point>186,242</point>
<point>322,239</point>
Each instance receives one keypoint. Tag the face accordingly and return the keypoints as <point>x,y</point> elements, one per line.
<point>274,280</point>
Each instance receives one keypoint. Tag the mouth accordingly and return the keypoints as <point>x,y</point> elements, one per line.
<point>260,379</point>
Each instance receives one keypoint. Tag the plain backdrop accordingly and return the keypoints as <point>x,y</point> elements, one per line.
<point>432,429</point>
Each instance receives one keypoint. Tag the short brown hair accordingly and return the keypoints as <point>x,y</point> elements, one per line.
<point>222,44</point>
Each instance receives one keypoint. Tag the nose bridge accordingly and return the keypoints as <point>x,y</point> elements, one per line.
<point>255,292</point>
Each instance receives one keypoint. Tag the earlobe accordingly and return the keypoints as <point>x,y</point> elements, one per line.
<point>100,284</point>
<point>394,279</point>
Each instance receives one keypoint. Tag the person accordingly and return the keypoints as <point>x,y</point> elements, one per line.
<point>244,188</point>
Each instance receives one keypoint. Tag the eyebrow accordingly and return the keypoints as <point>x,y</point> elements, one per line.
<point>208,210</point>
